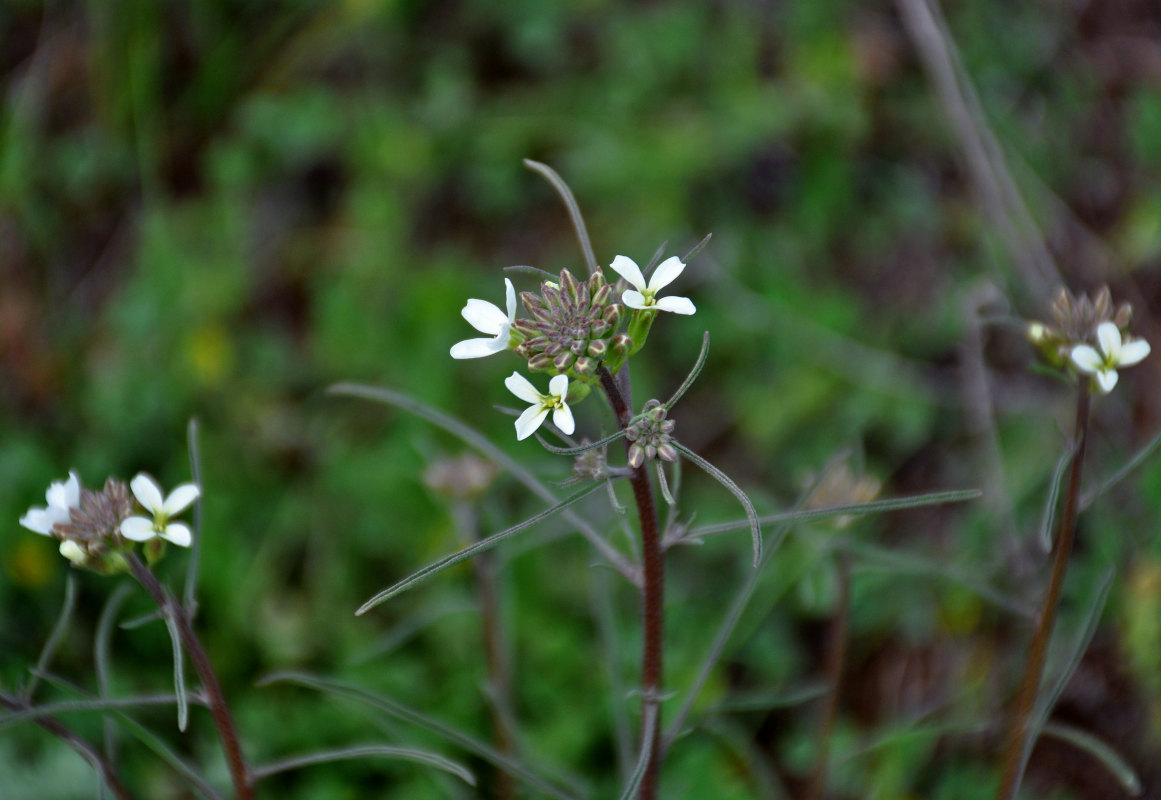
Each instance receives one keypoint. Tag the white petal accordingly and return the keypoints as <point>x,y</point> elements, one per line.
<point>1106,379</point>
<point>1109,337</point>
<point>666,272</point>
<point>627,268</point>
<point>558,386</point>
<point>1132,352</point>
<point>72,551</point>
<point>73,490</point>
<point>181,498</point>
<point>147,492</point>
<point>1087,359</point>
<point>40,520</point>
<point>510,299</point>
<point>138,529</point>
<point>634,299</point>
<point>562,418</point>
<point>529,421</point>
<point>477,348</point>
<point>178,533</point>
<point>521,387</point>
<point>483,316</point>
<point>678,305</point>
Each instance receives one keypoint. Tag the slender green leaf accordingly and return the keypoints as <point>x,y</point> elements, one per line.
<point>852,509</point>
<point>580,448</point>
<point>648,729</point>
<point>400,711</point>
<point>54,638</point>
<point>481,444</point>
<point>724,480</point>
<point>697,248</point>
<point>693,373</point>
<point>766,700</point>
<point>189,596</point>
<point>94,704</point>
<point>657,254</point>
<point>178,673</point>
<point>1048,518</point>
<point>574,213</point>
<point>1109,758</point>
<point>670,500</point>
<point>154,743</point>
<point>364,751</point>
<point>102,661</point>
<point>1137,460</point>
<point>473,549</point>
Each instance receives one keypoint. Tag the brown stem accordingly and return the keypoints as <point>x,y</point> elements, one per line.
<point>653,593</point>
<point>1018,734</point>
<point>499,674</point>
<point>219,709</point>
<point>836,651</point>
<point>66,735</point>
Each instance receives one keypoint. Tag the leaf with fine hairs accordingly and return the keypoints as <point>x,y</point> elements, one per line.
<point>399,711</point>
<point>693,373</point>
<point>724,480</point>
<point>472,550</point>
<point>574,213</point>
<point>54,638</point>
<point>364,751</point>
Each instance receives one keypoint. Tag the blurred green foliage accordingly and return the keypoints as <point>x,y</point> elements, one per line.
<point>217,209</point>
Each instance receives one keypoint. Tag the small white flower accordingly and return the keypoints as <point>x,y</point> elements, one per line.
<point>487,318</point>
<point>1113,354</point>
<point>530,420</point>
<point>62,497</point>
<point>148,494</point>
<point>643,297</point>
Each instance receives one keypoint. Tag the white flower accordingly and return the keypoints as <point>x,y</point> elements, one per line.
<point>643,296</point>
<point>1114,353</point>
<point>487,318</point>
<point>148,494</point>
<point>62,497</point>
<point>530,420</point>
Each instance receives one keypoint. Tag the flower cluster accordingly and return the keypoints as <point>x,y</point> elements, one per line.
<point>1090,337</point>
<point>574,329</point>
<point>96,528</point>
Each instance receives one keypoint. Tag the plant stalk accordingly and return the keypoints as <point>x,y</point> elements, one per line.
<point>219,709</point>
<point>836,653</point>
<point>653,594</point>
<point>1033,671</point>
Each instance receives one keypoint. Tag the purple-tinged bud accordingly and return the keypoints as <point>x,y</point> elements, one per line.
<point>601,296</point>
<point>667,452</point>
<point>636,456</point>
<point>531,300</point>
<point>553,349</point>
<point>598,348</point>
<point>621,345</point>
<point>650,452</point>
<point>542,316</point>
<point>568,284</point>
<point>577,347</point>
<point>523,350</point>
<point>599,328</point>
<point>585,366</point>
<point>563,361</point>
<point>525,327</point>
<point>551,295</point>
<point>540,363</point>
<point>596,283</point>
<point>613,314</point>
<point>667,426</point>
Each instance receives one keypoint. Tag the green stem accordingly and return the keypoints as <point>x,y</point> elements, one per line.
<point>219,709</point>
<point>1014,752</point>
<point>652,601</point>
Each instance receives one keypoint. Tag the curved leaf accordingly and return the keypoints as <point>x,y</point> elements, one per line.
<point>364,751</point>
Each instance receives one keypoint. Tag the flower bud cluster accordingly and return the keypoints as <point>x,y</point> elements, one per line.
<point>650,435</point>
<point>573,324</point>
<point>1075,322</point>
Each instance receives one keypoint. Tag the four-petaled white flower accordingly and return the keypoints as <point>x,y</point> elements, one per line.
<point>530,420</point>
<point>148,493</point>
<point>643,296</point>
<point>1114,353</point>
<point>487,318</point>
<point>62,497</point>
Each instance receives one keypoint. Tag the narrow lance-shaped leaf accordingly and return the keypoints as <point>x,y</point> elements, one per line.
<point>657,254</point>
<point>724,480</point>
<point>1098,749</point>
<point>154,743</point>
<point>189,594</point>
<point>646,753</point>
<point>400,711</point>
<point>1046,701</point>
<point>1048,518</point>
<point>364,751</point>
<point>473,549</point>
<point>852,509</point>
<point>697,248</point>
<point>693,373</point>
<point>580,448</point>
<point>95,704</point>
<point>484,446</point>
<point>574,213</point>
<point>54,638</point>
<point>178,673</point>
<point>1137,460</point>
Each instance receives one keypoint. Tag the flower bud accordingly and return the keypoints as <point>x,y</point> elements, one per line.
<point>541,362</point>
<point>597,348</point>
<point>585,366</point>
<point>563,361</point>
<point>636,456</point>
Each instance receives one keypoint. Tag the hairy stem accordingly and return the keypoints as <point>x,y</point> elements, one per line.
<point>653,596</point>
<point>227,733</point>
<point>66,735</point>
<point>1034,669</point>
<point>836,653</point>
